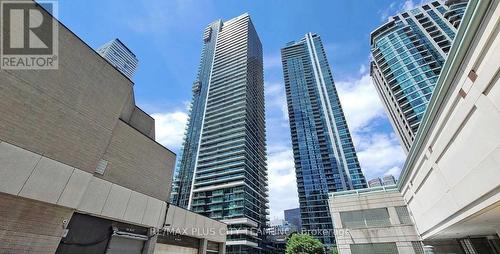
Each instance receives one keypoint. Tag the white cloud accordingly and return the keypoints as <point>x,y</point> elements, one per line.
<point>276,98</point>
<point>360,102</point>
<point>281,171</point>
<point>395,8</point>
<point>385,13</point>
<point>169,128</point>
<point>379,151</point>
<point>282,182</point>
<point>362,69</point>
<point>379,154</point>
<point>395,171</point>
<point>272,61</point>
<point>408,5</point>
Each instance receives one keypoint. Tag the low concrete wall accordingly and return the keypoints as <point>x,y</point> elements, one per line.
<point>195,225</point>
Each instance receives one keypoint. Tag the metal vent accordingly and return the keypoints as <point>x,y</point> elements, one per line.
<point>101,166</point>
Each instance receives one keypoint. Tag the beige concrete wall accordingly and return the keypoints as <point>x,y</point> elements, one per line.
<point>143,122</point>
<point>401,234</point>
<point>29,175</point>
<point>456,172</point>
<point>71,115</point>
<point>28,226</point>
<point>66,114</point>
<point>55,126</point>
<point>379,199</point>
<point>195,225</point>
<point>35,183</point>
<point>138,163</point>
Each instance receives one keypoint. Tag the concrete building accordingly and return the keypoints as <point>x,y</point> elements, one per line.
<point>223,171</point>
<point>408,53</point>
<point>451,179</point>
<point>373,220</point>
<point>80,171</point>
<point>324,154</point>
<point>121,57</point>
<point>280,227</point>
<point>375,182</point>
<point>384,181</point>
<point>388,180</point>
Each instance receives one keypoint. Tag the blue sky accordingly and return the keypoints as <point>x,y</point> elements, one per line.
<point>166,36</point>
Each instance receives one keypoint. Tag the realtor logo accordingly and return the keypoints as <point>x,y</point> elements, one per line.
<point>29,33</point>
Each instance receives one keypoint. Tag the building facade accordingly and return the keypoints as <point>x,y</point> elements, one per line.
<point>384,181</point>
<point>388,180</point>
<point>450,180</point>
<point>292,216</point>
<point>455,12</point>
<point>80,170</point>
<point>324,154</point>
<point>408,53</point>
<point>120,57</point>
<point>375,182</point>
<point>222,172</point>
<point>373,220</point>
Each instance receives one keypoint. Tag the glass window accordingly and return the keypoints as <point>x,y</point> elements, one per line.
<point>403,215</point>
<point>365,218</point>
<point>374,248</point>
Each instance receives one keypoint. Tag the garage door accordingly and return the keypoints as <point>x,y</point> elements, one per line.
<point>172,249</point>
<point>125,244</point>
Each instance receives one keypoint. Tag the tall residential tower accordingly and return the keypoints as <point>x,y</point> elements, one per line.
<point>324,154</point>
<point>222,172</point>
<point>120,57</point>
<point>408,53</point>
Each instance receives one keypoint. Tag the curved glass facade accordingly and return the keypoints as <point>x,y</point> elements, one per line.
<point>408,53</point>
<point>324,154</point>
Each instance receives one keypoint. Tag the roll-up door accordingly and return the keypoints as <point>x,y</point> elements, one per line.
<point>126,243</point>
<point>176,244</point>
<point>173,249</point>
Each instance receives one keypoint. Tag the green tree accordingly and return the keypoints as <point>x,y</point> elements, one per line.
<point>303,244</point>
<point>334,250</point>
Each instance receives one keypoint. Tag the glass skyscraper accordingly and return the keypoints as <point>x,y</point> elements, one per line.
<point>222,170</point>
<point>292,216</point>
<point>408,53</point>
<point>324,154</point>
<point>120,57</point>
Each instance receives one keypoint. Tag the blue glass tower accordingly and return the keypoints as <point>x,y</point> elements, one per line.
<point>222,171</point>
<point>408,53</point>
<point>324,154</point>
